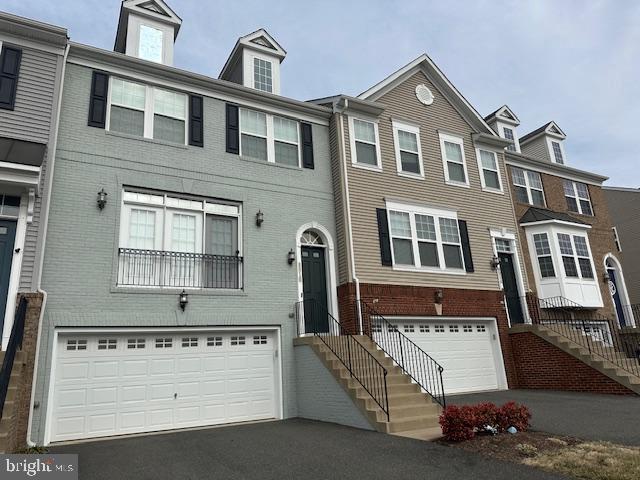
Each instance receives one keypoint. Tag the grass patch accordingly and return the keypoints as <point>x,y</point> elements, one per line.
<point>591,461</point>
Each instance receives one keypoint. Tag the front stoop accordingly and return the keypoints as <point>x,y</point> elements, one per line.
<point>412,413</point>
<point>10,402</point>
<point>565,343</point>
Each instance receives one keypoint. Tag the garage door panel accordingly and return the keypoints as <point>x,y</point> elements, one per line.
<point>103,396</point>
<point>73,371</point>
<point>134,368</point>
<point>189,365</point>
<point>72,398</point>
<point>162,366</point>
<point>105,423</point>
<point>70,427</point>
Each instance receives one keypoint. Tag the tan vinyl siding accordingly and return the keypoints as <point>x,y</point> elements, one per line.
<point>336,174</point>
<point>537,148</point>
<point>368,189</point>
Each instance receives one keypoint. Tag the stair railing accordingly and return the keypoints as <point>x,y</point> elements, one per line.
<point>15,342</point>
<point>423,369</point>
<point>362,366</point>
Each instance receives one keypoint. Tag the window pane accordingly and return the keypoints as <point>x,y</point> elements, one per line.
<point>488,160</point>
<point>453,152</point>
<point>586,207</point>
<point>286,154</point>
<point>517,175</point>
<point>541,242</point>
<point>566,248</point>
<point>521,194</point>
<point>402,251</point>
<point>400,224</point>
<point>537,197</point>
<point>142,229</point>
<point>456,172</point>
<point>221,235</point>
<point>183,233</point>
<point>410,162</point>
<point>570,266</point>
<point>491,179</point>
<point>425,227</point>
<point>253,122</point>
<point>546,267</point>
<point>583,190</point>
<point>364,131</point>
<point>125,120</point>
<point>254,147</point>
<point>169,129</point>
<point>285,129</point>
<point>568,188</point>
<point>535,181</point>
<point>428,254</point>
<point>150,47</point>
<point>581,246</point>
<point>262,75</point>
<point>169,104</point>
<point>449,230</point>
<point>503,245</point>
<point>572,204</point>
<point>585,268</point>
<point>127,94</point>
<point>452,256</point>
<point>407,141</point>
<point>557,152</point>
<point>366,153</point>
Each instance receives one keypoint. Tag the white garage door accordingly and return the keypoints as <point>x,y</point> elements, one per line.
<point>142,382</point>
<point>464,348</point>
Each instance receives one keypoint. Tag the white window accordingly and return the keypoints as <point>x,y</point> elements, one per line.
<point>584,257</point>
<point>528,186</point>
<point>543,252</point>
<point>150,44</point>
<point>262,75</point>
<point>557,152</point>
<point>148,112</point>
<point>135,343</point>
<point>188,342</point>
<point>489,171</point>
<point>237,340</point>
<point>408,151</point>
<point>269,138</point>
<point>214,341</point>
<point>453,159</point>
<point>170,241</point>
<point>164,342</point>
<point>76,344</point>
<point>577,195</point>
<point>365,145</point>
<point>509,135</point>
<point>107,344</point>
<point>616,238</point>
<point>425,239</point>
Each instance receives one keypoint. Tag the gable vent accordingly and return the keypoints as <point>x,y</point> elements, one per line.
<point>424,95</point>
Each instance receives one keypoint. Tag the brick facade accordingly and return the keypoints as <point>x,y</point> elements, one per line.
<point>419,301</point>
<point>541,365</point>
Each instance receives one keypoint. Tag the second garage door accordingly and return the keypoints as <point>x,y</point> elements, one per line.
<point>140,382</point>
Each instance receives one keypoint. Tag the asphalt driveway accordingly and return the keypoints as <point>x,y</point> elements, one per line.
<point>614,418</point>
<point>290,449</point>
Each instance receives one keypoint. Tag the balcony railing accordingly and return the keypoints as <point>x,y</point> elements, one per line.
<point>157,268</point>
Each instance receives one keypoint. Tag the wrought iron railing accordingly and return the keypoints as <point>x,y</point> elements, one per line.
<point>15,343</point>
<point>361,364</point>
<point>157,268</point>
<point>632,312</point>
<point>415,362</point>
<point>558,302</point>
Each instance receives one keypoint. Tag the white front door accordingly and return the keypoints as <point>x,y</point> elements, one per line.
<point>115,384</point>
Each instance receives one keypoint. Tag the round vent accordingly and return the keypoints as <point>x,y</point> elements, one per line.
<point>424,95</point>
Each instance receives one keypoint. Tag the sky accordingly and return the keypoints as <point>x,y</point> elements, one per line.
<point>576,62</point>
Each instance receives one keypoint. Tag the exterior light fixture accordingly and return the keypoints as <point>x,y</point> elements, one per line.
<point>438,296</point>
<point>102,199</point>
<point>291,256</point>
<point>183,300</point>
<point>605,276</point>
<point>495,263</point>
<point>259,218</point>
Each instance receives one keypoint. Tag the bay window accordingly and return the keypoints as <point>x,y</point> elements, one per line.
<point>453,160</point>
<point>543,252</point>
<point>528,186</point>
<point>269,138</point>
<point>577,196</point>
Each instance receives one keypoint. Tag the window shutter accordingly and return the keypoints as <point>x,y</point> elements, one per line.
<point>385,240</point>
<point>233,129</point>
<point>98,100</point>
<point>466,246</point>
<point>307,145</point>
<point>9,68</point>
<point>196,121</point>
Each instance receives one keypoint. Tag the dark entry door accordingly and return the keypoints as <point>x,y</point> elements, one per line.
<point>314,288</point>
<point>7,237</point>
<point>615,294</point>
<point>510,284</point>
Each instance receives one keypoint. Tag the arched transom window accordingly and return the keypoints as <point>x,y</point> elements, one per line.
<point>309,237</point>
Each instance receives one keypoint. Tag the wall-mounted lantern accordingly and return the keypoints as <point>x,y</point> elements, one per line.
<point>495,263</point>
<point>606,277</point>
<point>291,257</point>
<point>438,296</point>
<point>259,218</point>
<point>183,299</point>
<point>102,199</point>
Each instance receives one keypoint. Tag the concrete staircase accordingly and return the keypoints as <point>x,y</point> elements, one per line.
<point>412,413</point>
<point>614,364</point>
<point>10,402</point>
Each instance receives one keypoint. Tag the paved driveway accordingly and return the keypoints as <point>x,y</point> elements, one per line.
<point>615,418</point>
<point>290,449</point>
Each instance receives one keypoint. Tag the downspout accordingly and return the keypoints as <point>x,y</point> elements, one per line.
<point>343,165</point>
<point>45,222</point>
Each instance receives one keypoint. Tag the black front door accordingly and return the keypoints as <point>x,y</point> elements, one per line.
<point>7,237</point>
<point>510,285</point>
<point>314,288</point>
<point>615,294</point>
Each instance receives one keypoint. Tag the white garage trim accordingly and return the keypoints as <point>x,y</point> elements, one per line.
<point>493,330</point>
<point>274,330</point>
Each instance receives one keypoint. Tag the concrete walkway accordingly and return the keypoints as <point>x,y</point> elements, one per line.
<point>290,449</point>
<point>614,418</point>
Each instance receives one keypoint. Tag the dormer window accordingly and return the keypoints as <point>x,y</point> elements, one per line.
<point>557,152</point>
<point>508,134</point>
<point>262,75</point>
<point>150,44</point>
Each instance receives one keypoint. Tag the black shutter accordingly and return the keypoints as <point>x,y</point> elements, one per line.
<point>307,145</point>
<point>385,240</point>
<point>233,129</point>
<point>98,100</point>
<point>196,121</point>
<point>9,68</point>
<point>466,246</point>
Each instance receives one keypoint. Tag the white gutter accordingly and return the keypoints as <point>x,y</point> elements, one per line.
<point>45,222</point>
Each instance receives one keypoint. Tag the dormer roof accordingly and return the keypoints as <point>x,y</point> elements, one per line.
<point>552,129</point>
<point>503,114</point>
<point>154,9</point>
<point>260,41</point>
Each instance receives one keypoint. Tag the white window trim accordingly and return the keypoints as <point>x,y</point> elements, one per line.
<point>516,139</point>
<point>616,239</point>
<point>577,198</point>
<point>552,155</point>
<point>249,72</point>
<point>148,110</point>
<point>575,256</point>
<point>270,62</point>
<point>497,170</point>
<point>352,143</point>
<point>270,137</point>
<point>534,253</point>
<point>436,213</point>
<point>458,140</point>
<point>528,186</point>
<point>397,125</point>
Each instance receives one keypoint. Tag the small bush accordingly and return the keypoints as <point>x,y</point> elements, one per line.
<point>458,423</point>
<point>512,414</point>
<point>527,450</point>
<point>485,414</point>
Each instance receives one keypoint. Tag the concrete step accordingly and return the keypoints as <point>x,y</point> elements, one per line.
<point>392,379</point>
<point>412,423</point>
<point>406,411</point>
<point>425,434</point>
